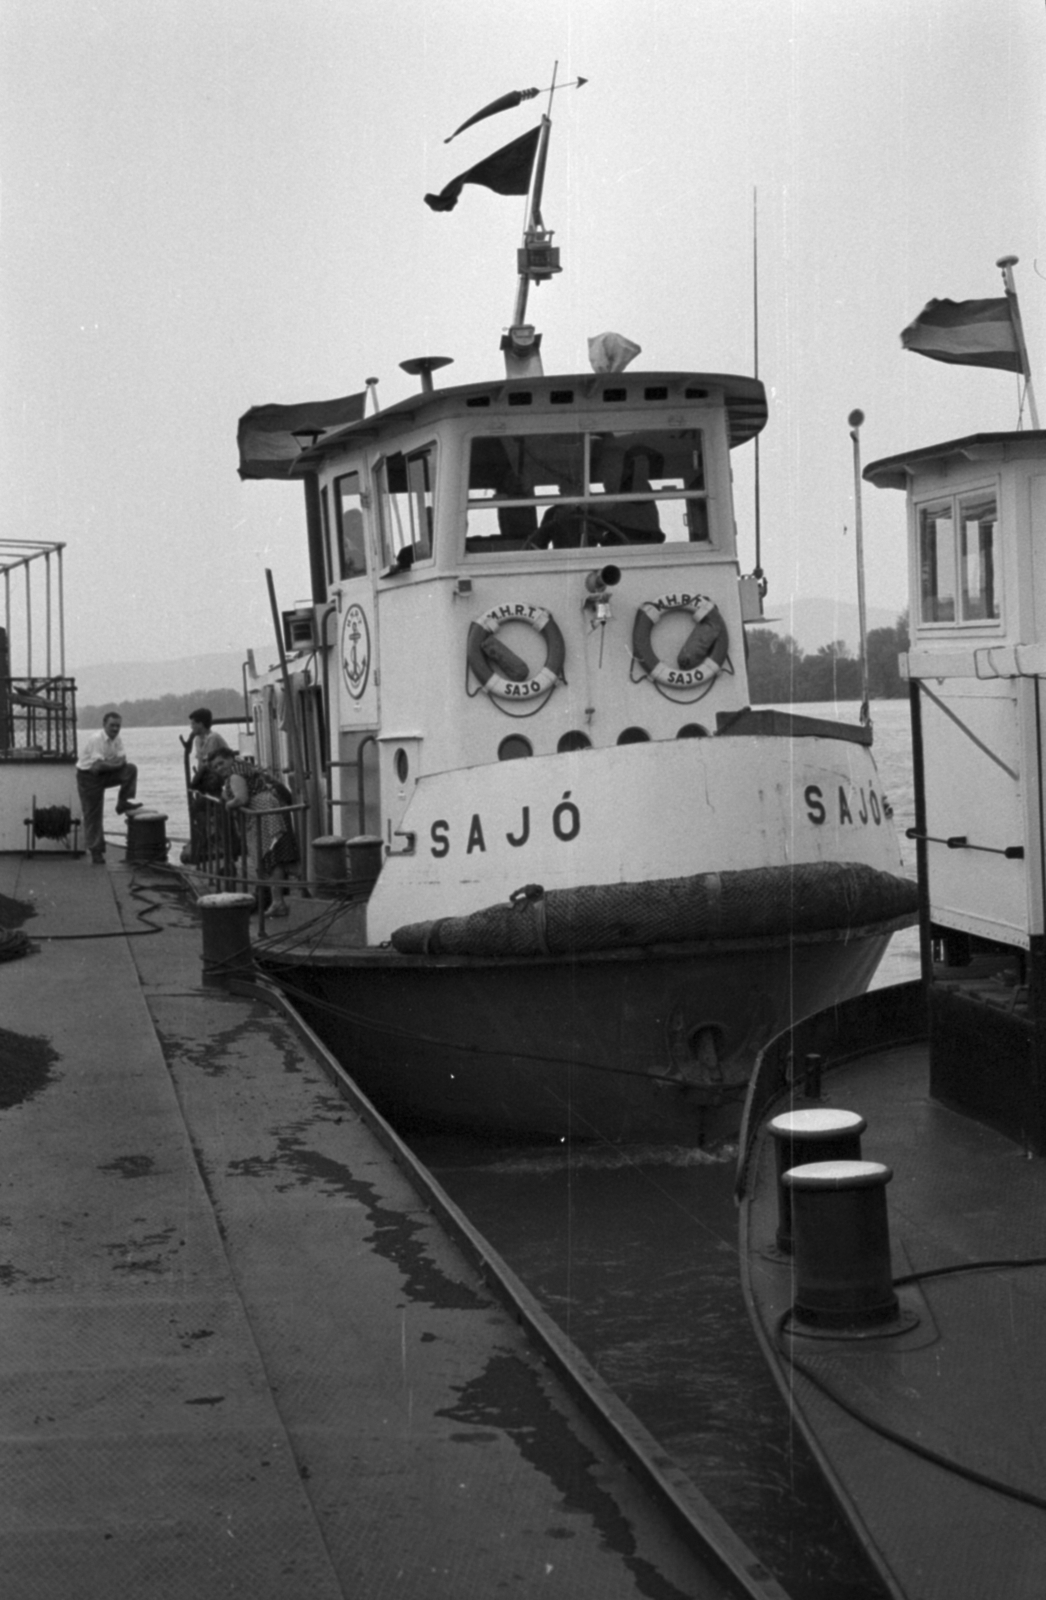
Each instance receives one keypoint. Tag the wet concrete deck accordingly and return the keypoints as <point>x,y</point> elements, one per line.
<point>238,1353</point>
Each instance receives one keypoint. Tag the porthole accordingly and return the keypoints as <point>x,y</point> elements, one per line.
<point>514,748</point>
<point>692,730</point>
<point>574,740</point>
<point>402,765</point>
<point>633,736</point>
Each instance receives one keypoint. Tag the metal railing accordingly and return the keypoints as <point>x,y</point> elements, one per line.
<point>228,848</point>
<point>37,719</point>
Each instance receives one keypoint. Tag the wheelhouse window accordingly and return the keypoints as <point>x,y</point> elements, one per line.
<point>406,499</point>
<point>561,491</point>
<point>957,560</point>
<point>977,592</point>
<point>352,541</point>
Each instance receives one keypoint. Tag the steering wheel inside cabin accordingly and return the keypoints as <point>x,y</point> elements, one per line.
<point>582,519</point>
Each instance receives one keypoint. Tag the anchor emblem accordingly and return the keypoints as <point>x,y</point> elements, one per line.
<point>355,650</point>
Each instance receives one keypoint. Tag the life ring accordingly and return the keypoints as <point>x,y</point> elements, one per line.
<point>486,653</point>
<point>702,656</point>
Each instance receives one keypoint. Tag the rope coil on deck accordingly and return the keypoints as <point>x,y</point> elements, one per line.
<point>51,822</point>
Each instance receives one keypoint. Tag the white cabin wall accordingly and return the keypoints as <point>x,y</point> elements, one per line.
<point>1033,507</point>
<point>983,758</point>
<point>417,703</point>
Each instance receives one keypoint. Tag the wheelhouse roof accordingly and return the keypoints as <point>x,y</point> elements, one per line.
<point>895,472</point>
<point>555,395</point>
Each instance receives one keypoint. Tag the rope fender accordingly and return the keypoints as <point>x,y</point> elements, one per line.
<point>497,669</point>
<point>702,656</point>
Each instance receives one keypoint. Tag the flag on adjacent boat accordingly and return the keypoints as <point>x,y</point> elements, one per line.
<point>507,171</point>
<point>269,437</point>
<point>970,333</point>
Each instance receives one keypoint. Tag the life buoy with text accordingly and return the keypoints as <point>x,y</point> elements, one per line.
<point>497,669</point>
<point>704,652</point>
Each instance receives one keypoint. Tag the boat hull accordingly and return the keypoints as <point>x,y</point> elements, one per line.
<point>630,1045</point>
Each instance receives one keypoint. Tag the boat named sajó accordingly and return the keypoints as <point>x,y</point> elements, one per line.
<point>520,683</point>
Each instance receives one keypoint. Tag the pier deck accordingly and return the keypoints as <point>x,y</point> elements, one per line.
<point>238,1352</point>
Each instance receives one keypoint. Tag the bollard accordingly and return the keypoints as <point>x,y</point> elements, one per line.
<point>819,1133</point>
<point>226,922</point>
<point>146,836</point>
<point>812,1067</point>
<point>843,1278</point>
<point>364,861</point>
<point>329,867</point>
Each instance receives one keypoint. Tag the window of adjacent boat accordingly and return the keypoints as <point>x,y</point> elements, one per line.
<point>352,538</point>
<point>639,486</point>
<point>406,497</point>
<point>958,577</point>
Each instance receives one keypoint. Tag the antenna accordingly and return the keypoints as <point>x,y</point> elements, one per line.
<point>855,419</point>
<point>758,569</point>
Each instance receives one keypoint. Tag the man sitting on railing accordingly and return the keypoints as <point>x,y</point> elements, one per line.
<point>103,765</point>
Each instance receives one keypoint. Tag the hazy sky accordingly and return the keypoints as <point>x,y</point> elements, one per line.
<point>213,204</point>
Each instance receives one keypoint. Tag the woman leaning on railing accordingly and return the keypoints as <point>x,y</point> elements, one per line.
<point>261,846</point>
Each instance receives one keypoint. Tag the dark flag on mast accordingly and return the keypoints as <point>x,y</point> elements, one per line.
<point>507,171</point>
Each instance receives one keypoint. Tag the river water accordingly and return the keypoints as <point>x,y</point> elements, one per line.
<point>634,1253</point>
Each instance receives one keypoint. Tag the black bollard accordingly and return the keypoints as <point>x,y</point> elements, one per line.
<point>146,836</point>
<point>226,922</point>
<point>365,853</point>
<point>817,1133</point>
<point>330,868</point>
<point>843,1277</point>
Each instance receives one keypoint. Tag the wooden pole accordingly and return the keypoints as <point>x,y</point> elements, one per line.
<point>297,743</point>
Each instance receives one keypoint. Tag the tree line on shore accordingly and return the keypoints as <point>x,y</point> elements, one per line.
<point>779,673</point>
<point>167,711</point>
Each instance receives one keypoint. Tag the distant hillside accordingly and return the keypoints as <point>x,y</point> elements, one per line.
<point>167,711</point>
<point>117,681</point>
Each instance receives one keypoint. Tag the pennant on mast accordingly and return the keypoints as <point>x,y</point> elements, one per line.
<point>505,103</point>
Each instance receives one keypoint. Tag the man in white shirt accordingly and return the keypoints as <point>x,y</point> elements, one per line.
<point>103,765</point>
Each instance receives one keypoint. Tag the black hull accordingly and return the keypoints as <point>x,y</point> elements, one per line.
<point>633,1045</point>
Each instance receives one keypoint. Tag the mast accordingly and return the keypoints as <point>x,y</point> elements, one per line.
<point>1007,263</point>
<point>536,260</point>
